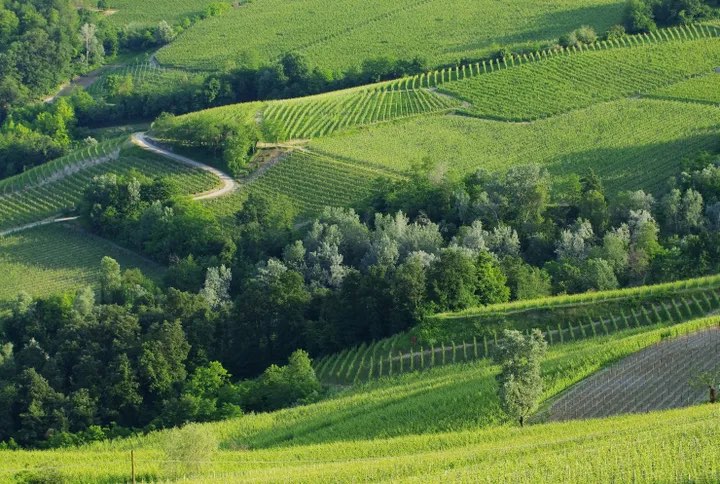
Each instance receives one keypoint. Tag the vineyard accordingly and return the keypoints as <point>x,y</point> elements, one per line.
<point>325,114</point>
<point>703,89</point>
<point>342,37</point>
<point>540,89</point>
<point>657,378</point>
<point>147,78</point>
<point>469,339</point>
<point>394,429</point>
<point>56,187</point>
<point>134,13</point>
<point>52,259</point>
<point>312,181</point>
<point>662,134</point>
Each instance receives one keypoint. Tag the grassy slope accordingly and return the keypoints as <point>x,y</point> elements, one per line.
<point>52,259</point>
<point>619,140</point>
<point>345,33</point>
<point>435,420</point>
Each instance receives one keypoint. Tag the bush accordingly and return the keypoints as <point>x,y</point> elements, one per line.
<point>615,32</point>
<point>189,450</point>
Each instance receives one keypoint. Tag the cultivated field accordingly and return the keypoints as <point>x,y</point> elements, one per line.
<point>53,259</point>
<point>660,377</point>
<point>620,140</point>
<point>53,188</point>
<point>346,437</point>
<point>352,31</point>
<point>134,13</point>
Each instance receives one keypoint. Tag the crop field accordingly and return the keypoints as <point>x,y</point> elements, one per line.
<point>394,429</point>
<point>45,197</point>
<point>52,259</point>
<point>147,78</point>
<point>313,181</point>
<point>656,378</point>
<point>450,339</point>
<point>615,139</point>
<point>351,31</point>
<point>134,13</point>
<point>703,89</point>
<point>540,89</point>
<point>325,114</point>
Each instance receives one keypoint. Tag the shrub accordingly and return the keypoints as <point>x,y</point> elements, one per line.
<point>189,450</point>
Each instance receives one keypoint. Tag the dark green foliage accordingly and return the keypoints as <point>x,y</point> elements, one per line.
<point>647,15</point>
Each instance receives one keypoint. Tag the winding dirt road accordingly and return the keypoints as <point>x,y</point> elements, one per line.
<point>139,139</point>
<point>228,184</point>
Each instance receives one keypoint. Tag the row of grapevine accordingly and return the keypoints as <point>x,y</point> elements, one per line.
<point>38,202</point>
<point>322,115</point>
<point>313,181</point>
<point>464,71</point>
<point>67,165</point>
<point>655,378</point>
<point>368,362</point>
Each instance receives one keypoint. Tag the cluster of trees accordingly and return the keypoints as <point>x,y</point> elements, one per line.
<point>83,367</point>
<point>38,43</point>
<point>648,15</point>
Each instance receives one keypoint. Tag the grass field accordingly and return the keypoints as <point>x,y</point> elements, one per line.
<point>148,79</point>
<point>52,259</point>
<point>43,196</point>
<point>341,37</point>
<point>620,140</point>
<point>426,426</point>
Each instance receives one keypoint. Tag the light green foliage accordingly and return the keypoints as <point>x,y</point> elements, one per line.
<point>148,14</point>
<point>598,137</point>
<point>46,191</point>
<point>189,450</point>
<point>337,38</point>
<point>325,114</point>
<point>700,89</point>
<point>313,181</point>
<point>53,259</point>
<point>520,381</point>
<point>142,77</point>
<point>541,89</point>
<point>377,432</point>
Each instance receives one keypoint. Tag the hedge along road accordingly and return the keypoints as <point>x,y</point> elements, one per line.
<point>139,139</point>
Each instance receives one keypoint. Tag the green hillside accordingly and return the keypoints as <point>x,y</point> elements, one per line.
<point>443,415</point>
<point>54,259</point>
<point>133,13</point>
<point>615,139</point>
<point>342,37</point>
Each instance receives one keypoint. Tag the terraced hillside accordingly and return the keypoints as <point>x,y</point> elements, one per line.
<point>53,259</point>
<point>353,31</point>
<point>420,425</point>
<point>659,377</point>
<point>58,186</point>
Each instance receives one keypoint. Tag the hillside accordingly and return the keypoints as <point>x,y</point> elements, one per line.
<point>318,441</point>
<point>343,37</point>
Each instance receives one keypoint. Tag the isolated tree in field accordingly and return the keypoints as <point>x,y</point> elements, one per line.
<point>520,382</point>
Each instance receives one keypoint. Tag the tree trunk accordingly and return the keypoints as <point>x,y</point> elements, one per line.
<point>713,394</point>
<point>522,421</point>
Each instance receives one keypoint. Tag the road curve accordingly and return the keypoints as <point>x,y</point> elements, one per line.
<point>139,139</point>
<point>228,184</point>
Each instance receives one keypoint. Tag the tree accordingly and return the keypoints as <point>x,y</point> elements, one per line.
<point>93,47</point>
<point>110,279</point>
<point>520,381</point>
<point>217,286</point>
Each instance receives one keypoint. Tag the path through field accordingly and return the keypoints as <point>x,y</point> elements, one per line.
<point>139,139</point>
<point>657,378</point>
<point>228,184</point>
